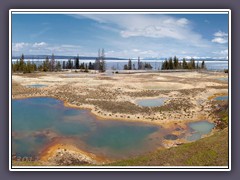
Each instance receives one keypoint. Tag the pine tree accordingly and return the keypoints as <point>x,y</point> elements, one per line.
<point>28,68</point>
<point>170,63</point>
<point>64,65</point>
<point>21,63</point>
<point>165,65</point>
<point>175,62</point>
<point>69,64</point>
<point>184,64</point>
<point>203,65</point>
<point>129,64</point>
<point>82,66</point>
<point>46,65</point>
<point>40,68</point>
<point>77,62</point>
<point>90,65</point>
<point>52,63</point>
<point>58,66</point>
<point>193,63</point>
<point>15,66</point>
<point>139,64</point>
<point>34,67</point>
<point>134,68</point>
<point>148,66</point>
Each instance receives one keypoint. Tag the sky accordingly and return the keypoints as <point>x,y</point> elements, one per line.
<point>121,35</point>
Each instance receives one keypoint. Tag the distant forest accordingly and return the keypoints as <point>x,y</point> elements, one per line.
<point>175,63</point>
<point>50,64</point>
<point>140,65</point>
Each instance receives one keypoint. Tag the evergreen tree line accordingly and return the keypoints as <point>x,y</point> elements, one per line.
<point>99,64</point>
<point>53,65</point>
<point>141,65</point>
<point>28,67</point>
<point>175,63</point>
<point>70,64</point>
<point>50,65</point>
<point>22,66</point>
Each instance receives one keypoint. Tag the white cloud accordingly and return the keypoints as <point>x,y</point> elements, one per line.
<point>153,26</point>
<point>182,21</point>
<point>135,50</point>
<point>225,52</point>
<point>145,35</point>
<point>154,32</point>
<point>130,36</point>
<point>39,48</point>
<point>220,34</point>
<point>220,40</point>
<point>38,45</point>
<point>23,46</point>
<point>19,46</point>
<point>222,52</point>
<point>220,37</point>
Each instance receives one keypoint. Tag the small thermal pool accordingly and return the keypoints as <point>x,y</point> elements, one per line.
<point>221,98</point>
<point>36,85</point>
<point>198,129</point>
<point>151,102</point>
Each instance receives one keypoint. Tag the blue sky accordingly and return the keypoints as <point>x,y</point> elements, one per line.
<point>121,35</point>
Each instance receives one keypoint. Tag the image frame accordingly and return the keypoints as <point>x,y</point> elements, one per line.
<point>107,168</point>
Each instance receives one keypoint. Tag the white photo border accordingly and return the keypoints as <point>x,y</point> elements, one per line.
<point>119,11</point>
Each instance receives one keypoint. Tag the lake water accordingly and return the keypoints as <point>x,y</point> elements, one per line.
<point>37,121</point>
<point>151,102</point>
<point>198,129</point>
<point>156,64</point>
<point>222,98</point>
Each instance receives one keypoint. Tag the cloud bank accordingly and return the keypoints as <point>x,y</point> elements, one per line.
<point>220,37</point>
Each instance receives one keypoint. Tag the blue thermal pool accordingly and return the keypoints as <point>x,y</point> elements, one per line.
<point>151,102</point>
<point>37,121</point>
<point>198,129</point>
<point>36,85</point>
<point>221,98</point>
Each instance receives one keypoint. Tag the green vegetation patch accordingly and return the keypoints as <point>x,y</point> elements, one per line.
<point>209,151</point>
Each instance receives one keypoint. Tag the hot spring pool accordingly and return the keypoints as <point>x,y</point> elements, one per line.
<point>154,102</point>
<point>198,129</point>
